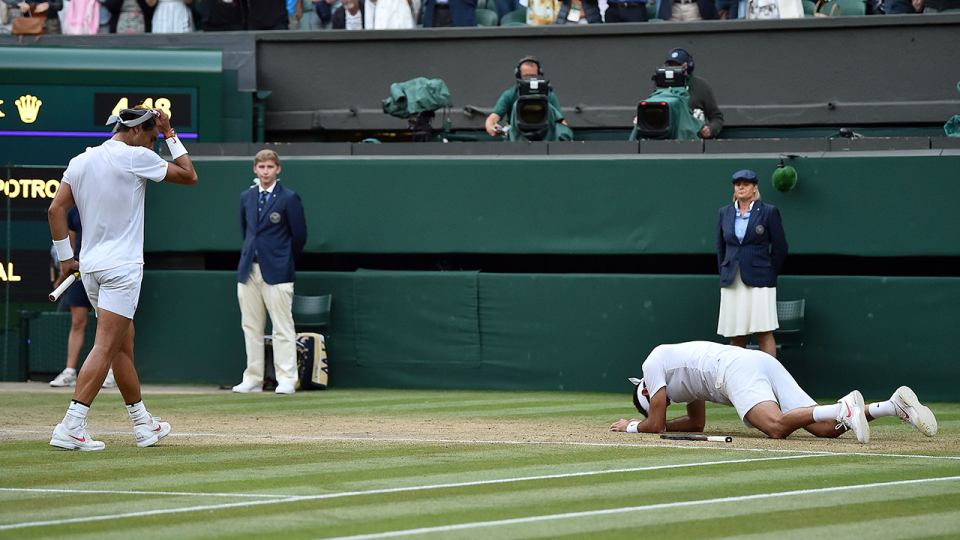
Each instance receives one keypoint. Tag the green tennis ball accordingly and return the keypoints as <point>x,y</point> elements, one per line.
<point>784,178</point>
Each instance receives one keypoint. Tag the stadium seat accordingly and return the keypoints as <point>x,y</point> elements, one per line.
<point>516,17</point>
<point>652,10</point>
<point>809,7</point>
<point>311,313</point>
<point>486,17</point>
<point>487,4</point>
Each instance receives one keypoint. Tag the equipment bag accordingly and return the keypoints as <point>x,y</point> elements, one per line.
<point>312,367</point>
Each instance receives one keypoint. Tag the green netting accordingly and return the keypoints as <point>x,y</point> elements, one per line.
<point>47,345</point>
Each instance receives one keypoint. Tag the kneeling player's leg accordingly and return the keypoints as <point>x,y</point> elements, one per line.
<point>767,417</point>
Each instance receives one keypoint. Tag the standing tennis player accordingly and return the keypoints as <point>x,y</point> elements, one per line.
<point>108,184</point>
<point>760,388</point>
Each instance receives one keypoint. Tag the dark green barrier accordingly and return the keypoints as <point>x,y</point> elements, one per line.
<point>554,332</point>
<point>851,205</point>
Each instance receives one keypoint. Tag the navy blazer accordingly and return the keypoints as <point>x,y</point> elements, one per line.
<point>760,257</point>
<point>463,12</point>
<point>277,236</point>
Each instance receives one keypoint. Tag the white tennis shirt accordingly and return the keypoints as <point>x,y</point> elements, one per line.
<point>690,371</point>
<point>108,184</point>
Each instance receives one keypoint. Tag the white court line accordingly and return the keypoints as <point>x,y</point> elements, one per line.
<point>135,492</point>
<point>298,498</point>
<point>663,506</point>
<point>694,446</point>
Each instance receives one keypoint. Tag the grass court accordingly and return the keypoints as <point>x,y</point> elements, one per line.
<point>458,464</point>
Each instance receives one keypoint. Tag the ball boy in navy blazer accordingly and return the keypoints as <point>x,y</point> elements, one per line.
<point>274,232</point>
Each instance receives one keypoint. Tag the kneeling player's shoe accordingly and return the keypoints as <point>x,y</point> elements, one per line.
<point>74,439</point>
<point>909,409</point>
<point>248,388</point>
<point>65,379</point>
<point>148,434</point>
<point>852,416</point>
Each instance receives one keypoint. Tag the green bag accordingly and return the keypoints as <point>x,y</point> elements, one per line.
<point>952,127</point>
<point>416,96</point>
<point>687,125</point>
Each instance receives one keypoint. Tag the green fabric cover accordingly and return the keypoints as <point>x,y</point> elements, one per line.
<point>416,96</point>
<point>688,126</point>
<point>952,127</point>
<point>784,178</point>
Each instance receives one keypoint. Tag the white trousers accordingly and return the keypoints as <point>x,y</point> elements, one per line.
<point>257,298</point>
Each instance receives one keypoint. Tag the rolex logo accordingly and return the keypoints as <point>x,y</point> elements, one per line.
<point>29,107</point>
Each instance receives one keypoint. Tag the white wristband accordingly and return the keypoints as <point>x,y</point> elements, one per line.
<point>632,426</point>
<point>64,251</point>
<point>176,147</point>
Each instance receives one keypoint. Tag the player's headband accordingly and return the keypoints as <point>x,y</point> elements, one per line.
<point>640,398</point>
<point>142,116</point>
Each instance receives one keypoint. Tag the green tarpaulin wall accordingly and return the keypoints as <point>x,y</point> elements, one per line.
<point>554,332</point>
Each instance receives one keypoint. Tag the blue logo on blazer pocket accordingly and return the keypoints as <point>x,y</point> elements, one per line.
<point>275,217</point>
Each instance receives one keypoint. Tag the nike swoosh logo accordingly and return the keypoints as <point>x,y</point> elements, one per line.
<point>159,427</point>
<point>79,439</point>
<point>906,416</point>
<point>849,412</point>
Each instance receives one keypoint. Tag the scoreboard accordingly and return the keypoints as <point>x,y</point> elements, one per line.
<point>55,101</point>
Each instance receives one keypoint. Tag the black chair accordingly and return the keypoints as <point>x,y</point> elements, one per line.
<point>790,334</point>
<point>312,313</point>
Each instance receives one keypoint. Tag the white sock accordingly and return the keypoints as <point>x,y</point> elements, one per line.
<point>76,414</point>
<point>70,371</point>
<point>882,409</point>
<point>826,412</point>
<point>138,413</point>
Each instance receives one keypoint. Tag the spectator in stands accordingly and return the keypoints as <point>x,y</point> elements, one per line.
<point>172,16</point>
<point>294,13</point>
<point>48,9</point>
<point>75,298</point>
<point>274,232</point>
<point>702,103</point>
<point>324,11</point>
<point>686,10</point>
<point>626,11</point>
<point>349,16</point>
<point>527,68</point>
<point>131,18</point>
<point>936,6</point>
<point>751,249</point>
<point>439,13</point>
<point>591,11</point>
<point>222,15</point>
<point>266,14</point>
<point>727,9</point>
<point>392,14</point>
<point>894,7</point>
<point>506,6</point>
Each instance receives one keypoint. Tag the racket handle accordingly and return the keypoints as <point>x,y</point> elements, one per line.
<point>63,286</point>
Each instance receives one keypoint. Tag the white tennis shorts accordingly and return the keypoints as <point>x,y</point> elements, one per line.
<point>116,290</point>
<point>754,377</point>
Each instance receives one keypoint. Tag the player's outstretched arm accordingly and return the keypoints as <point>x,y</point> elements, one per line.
<point>655,422</point>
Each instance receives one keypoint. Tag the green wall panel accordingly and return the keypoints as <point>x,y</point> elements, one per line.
<point>852,205</point>
<point>558,332</point>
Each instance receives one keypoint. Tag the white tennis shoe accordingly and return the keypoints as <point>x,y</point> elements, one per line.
<point>64,379</point>
<point>285,388</point>
<point>109,382</point>
<point>148,434</point>
<point>909,409</point>
<point>74,439</point>
<point>852,416</point>
<point>248,388</point>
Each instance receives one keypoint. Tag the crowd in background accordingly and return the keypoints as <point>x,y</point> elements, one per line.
<point>180,16</point>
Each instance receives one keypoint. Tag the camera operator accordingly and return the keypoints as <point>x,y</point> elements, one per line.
<point>702,103</point>
<point>528,69</point>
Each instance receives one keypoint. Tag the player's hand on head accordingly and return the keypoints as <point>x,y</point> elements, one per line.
<point>163,120</point>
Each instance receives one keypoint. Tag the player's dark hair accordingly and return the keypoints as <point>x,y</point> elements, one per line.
<point>133,114</point>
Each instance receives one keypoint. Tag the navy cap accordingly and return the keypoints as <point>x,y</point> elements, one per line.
<point>745,174</point>
<point>679,56</point>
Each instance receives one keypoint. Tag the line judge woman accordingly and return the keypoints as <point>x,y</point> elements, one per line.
<point>751,248</point>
